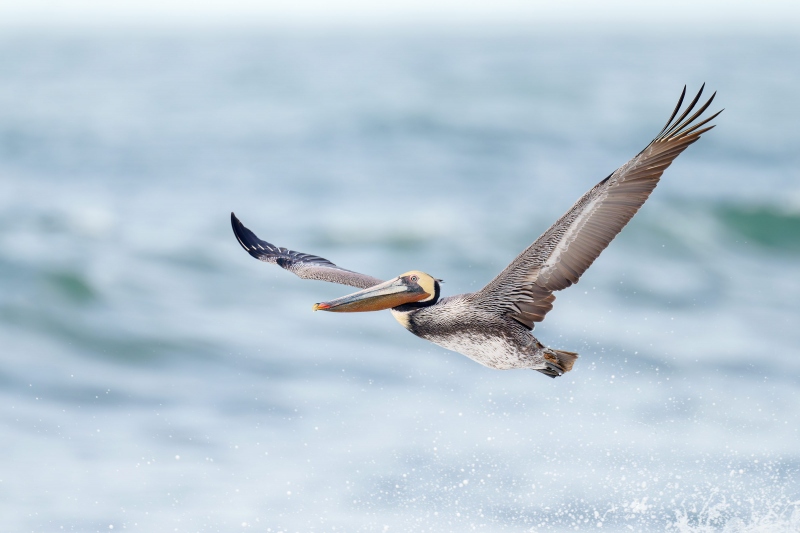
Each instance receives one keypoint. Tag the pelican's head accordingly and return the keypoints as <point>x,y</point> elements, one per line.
<point>413,289</point>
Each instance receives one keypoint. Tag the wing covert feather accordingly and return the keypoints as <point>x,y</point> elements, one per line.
<point>563,253</point>
<point>305,266</point>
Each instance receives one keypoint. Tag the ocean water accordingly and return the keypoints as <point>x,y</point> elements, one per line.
<point>154,377</point>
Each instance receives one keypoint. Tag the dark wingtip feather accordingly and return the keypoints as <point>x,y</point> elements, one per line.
<point>674,112</point>
<point>701,124</point>
<point>237,227</point>
<point>234,224</point>
<point>247,239</point>
<point>678,129</point>
<point>682,126</point>
<point>686,112</point>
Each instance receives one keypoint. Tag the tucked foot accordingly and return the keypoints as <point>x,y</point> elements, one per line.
<point>557,362</point>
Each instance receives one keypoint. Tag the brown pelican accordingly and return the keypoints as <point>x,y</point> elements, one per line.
<point>492,326</point>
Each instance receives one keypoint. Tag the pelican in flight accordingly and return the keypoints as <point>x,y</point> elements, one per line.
<point>493,326</point>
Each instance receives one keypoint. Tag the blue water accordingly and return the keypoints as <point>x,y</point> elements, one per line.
<point>154,377</point>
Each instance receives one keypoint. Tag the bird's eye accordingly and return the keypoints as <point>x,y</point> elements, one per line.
<point>413,278</point>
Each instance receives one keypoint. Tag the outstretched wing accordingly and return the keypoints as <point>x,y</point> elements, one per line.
<point>563,253</point>
<point>306,266</point>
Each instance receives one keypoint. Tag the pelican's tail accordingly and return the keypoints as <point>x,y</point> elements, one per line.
<point>558,362</point>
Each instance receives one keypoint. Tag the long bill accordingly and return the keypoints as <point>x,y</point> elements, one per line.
<point>384,296</point>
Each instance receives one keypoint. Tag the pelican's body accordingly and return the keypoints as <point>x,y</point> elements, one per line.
<point>493,326</point>
<point>459,324</point>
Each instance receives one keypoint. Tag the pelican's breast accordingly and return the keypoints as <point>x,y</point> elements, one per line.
<point>455,325</point>
<point>494,351</point>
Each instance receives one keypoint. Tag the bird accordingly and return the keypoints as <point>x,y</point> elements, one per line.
<point>493,325</point>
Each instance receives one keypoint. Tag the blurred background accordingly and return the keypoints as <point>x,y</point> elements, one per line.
<point>154,377</point>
